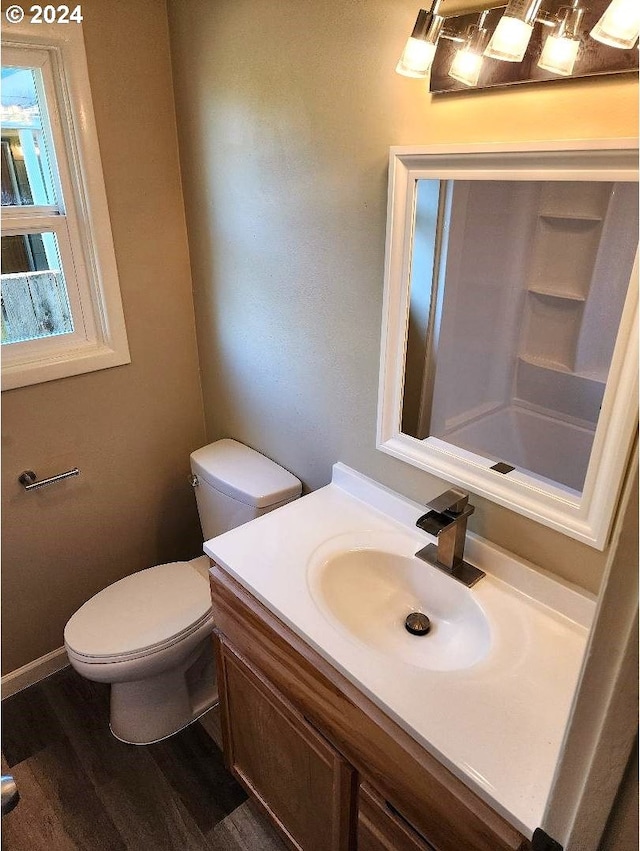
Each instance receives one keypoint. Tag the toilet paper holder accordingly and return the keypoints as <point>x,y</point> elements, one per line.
<point>29,480</point>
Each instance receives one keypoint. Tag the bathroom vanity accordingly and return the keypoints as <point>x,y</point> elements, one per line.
<point>331,770</point>
<point>349,731</point>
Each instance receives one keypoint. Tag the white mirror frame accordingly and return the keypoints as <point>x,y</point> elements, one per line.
<point>589,517</point>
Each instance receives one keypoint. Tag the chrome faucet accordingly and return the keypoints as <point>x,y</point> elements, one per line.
<point>447,520</point>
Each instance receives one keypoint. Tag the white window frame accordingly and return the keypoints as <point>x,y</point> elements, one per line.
<point>78,216</point>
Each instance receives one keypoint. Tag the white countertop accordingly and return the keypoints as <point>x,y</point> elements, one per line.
<point>497,725</point>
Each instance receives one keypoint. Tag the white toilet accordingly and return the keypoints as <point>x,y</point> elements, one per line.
<point>149,634</point>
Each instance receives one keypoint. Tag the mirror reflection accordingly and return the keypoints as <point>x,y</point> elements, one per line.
<point>516,294</point>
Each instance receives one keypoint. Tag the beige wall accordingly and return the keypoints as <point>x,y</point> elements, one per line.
<point>286,111</point>
<point>129,429</point>
<point>621,833</point>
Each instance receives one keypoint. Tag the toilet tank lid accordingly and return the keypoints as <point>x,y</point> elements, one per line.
<point>244,474</point>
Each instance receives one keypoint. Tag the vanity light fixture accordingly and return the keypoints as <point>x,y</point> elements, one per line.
<point>467,62</point>
<point>417,56</point>
<point>620,24</point>
<point>511,37</point>
<point>504,33</point>
<point>561,47</point>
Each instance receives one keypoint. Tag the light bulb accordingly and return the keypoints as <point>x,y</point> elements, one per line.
<point>510,40</point>
<point>561,48</point>
<point>466,67</point>
<point>620,24</point>
<point>511,37</point>
<point>417,58</point>
<point>559,55</point>
<point>418,53</point>
<point>467,62</point>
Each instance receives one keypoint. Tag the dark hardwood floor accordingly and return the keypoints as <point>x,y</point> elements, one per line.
<point>80,788</point>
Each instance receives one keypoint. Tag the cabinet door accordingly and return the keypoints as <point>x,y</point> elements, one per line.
<point>380,829</point>
<point>305,786</point>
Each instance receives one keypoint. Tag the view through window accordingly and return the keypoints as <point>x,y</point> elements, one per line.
<point>35,301</point>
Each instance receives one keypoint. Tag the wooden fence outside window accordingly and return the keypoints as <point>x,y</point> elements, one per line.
<point>34,304</point>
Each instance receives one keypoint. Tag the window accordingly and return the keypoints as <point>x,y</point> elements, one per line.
<point>61,308</point>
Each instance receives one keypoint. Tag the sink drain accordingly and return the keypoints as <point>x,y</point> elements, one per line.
<point>417,624</point>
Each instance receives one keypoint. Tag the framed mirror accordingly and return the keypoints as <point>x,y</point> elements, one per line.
<point>509,361</point>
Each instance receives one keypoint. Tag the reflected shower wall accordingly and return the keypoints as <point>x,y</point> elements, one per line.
<point>524,288</point>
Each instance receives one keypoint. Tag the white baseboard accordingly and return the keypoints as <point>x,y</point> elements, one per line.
<point>34,671</point>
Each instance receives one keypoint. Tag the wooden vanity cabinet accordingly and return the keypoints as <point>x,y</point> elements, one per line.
<point>380,828</point>
<point>303,783</point>
<point>332,770</point>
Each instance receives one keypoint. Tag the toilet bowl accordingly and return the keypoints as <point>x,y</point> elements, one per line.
<point>149,635</point>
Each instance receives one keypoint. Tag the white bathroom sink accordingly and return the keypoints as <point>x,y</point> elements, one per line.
<point>367,585</point>
<point>338,568</point>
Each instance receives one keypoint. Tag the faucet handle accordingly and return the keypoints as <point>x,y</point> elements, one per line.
<point>453,501</point>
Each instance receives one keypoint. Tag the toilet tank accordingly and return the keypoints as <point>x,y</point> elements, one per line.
<point>235,484</point>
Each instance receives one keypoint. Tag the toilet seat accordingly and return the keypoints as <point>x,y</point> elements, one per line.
<point>206,621</point>
<point>141,614</point>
